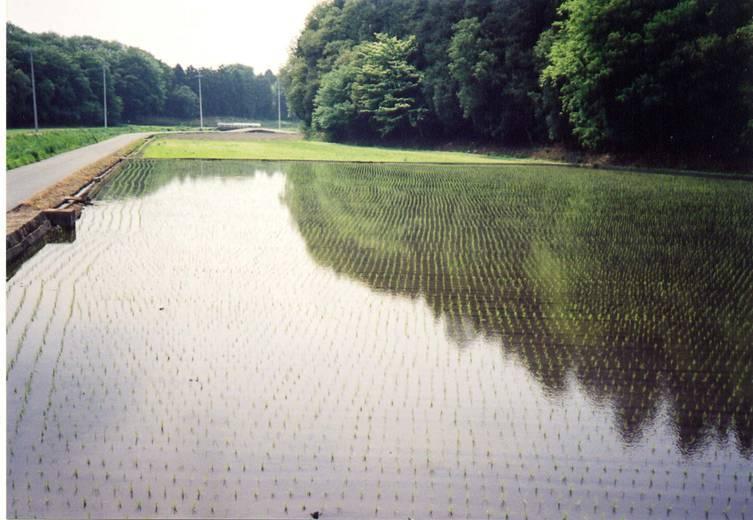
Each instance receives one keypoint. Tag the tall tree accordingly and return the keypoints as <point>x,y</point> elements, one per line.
<point>139,87</point>
<point>499,103</point>
<point>315,53</point>
<point>492,59</point>
<point>665,76</point>
<point>386,86</point>
<point>183,103</point>
<point>335,112</point>
<point>140,83</point>
<point>375,89</point>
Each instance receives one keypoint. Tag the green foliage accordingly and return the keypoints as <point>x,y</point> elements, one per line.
<point>335,112</point>
<point>668,78</point>
<point>318,46</point>
<point>140,84</point>
<point>374,88</point>
<point>182,102</point>
<point>492,59</point>
<point>68,75</point>
<point>470,64</point>
<point>332,31</point>
<point>18,88</point>
<point>386,84</point>
<point>665,76</point>
<point>236,90</point>
<point>493,80</point>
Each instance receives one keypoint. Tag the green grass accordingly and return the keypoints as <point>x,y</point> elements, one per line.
<point>24,146</point>
<point>300,150</point>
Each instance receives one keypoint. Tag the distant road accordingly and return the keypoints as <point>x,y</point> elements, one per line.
<point>21,183</point>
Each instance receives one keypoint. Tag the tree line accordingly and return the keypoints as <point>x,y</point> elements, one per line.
<point>140,88</point>
<point>665,77</point>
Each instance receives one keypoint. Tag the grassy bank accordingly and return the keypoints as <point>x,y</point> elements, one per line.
<point>24,146</point>
<point>300,150</point>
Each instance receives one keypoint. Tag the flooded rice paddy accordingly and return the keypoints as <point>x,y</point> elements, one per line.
<point>239,339</point>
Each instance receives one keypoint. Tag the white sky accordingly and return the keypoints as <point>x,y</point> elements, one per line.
<point>203,33</point>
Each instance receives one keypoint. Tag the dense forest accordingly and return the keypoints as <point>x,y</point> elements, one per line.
<point>658,77</point>
<point>140,88</point>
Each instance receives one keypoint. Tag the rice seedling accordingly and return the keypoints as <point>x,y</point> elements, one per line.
<point>445,340</point>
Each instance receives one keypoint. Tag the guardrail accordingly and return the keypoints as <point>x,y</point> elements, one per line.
<point>236,126</point>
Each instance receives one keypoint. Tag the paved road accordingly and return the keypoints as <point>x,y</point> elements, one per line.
<point>21,183</point>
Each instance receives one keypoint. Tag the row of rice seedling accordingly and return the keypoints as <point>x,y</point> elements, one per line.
<point>564,265</point>
<point>235,339</point>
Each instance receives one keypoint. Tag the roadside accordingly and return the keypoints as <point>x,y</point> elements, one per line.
<point>26,181</point>
<point>57,193</point>
<point>44,199</point>
<point>25,146</point>
<point>32,184</point>
<point>50,215</point>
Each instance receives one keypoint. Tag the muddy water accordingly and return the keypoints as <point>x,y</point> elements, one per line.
<point>236,339</point>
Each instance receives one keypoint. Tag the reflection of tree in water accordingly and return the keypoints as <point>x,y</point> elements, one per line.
<point>639,285</point>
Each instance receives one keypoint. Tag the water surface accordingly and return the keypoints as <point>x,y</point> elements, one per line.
<point>238,339</point>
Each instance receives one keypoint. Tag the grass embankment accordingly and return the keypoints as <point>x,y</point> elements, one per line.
<point>26,147</point>
<point>301,150</point>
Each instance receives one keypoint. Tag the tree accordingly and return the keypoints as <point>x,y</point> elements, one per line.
<point>315,53</point>
<point>434,29</point>
<point>335,112</point>
<point>139,87</point>
<point>492,59</point>
<point>499,104</point>
<point>386,86</point>
<point>183,103</point>
<point>18,92</point>
<point>179,76</point>
<point>471,66</point>
<point>374,84</point>
<point>141,84</point>
<point>662,76</point>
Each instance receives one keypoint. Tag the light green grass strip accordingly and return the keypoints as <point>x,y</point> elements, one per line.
<point>300,150</point>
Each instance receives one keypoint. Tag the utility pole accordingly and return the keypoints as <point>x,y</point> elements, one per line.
<point>279,119</point>
<point>201,110</point>
<point>104,93</point>
<point>33,90</point>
